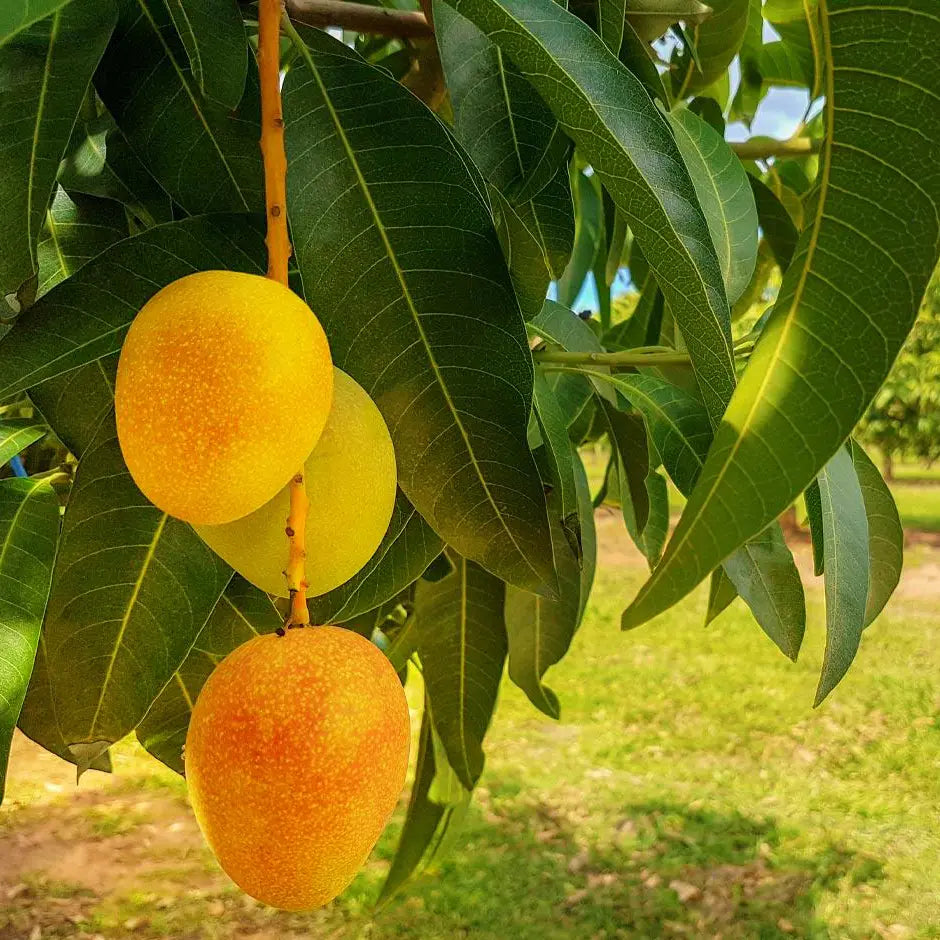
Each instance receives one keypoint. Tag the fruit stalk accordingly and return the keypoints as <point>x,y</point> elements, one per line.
<point>279,250</point>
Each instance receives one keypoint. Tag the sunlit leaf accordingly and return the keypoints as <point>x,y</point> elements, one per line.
<point>717,40</point>
<point>29,527</point>
<point>16,434</point>
<point>847,302</point>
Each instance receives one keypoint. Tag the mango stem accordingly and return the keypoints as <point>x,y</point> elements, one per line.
<point>279,251</point>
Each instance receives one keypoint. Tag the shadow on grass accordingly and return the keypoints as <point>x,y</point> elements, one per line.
<point>662,871</point>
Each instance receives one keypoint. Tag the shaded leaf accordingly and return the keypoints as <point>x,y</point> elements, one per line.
<point>726,199</point>
<point>203,154</point>
<point>29,528</point>
<point>845,544</point>
<point>775,221</point>
<point>131,590</point>
<point>848,299</point>
<point>99,162</point>
<point>85,318</point>
<point>214,36</point>
<point>553,424</point>
<point>44,73</point>
<point>628,441</point>
<point>462,644</point>
<point>76,230</point>
<point>406,550</point>
<point>885,534</point>
<point>721,592</point>
<point>75,403</point>
<point>606,110</point>
<point>588,238</point>
<point>17,15</point>
<point>716,40</point>
<point>811,498</point>
<point>429,827</point>
<point>400,227</point>
<point>243,612</point>
<point>637,56</point>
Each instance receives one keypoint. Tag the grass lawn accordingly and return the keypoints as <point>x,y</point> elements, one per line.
<point>689,790</point>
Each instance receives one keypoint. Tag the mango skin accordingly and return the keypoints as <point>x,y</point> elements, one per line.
<point>295,757</point>
<point>224,384</point>
<point>351,482</point>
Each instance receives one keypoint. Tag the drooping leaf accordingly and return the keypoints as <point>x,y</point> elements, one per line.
<point>763,571</point>
<point>85,318</point>
<point>652,18</point>
<point>44,72</point>
<point>525,256</point>
<point>885,534</point>
<point>637,56</point>
<point>588,238</point>
<point>462,644</point>
<point>29,527</point>
<point>205,155</point>
<point>628,441</point>
<point>813,503</point>
<point>775,221</point>
<point>721,184</point>
<point>800,51</point>
<point>76,230</point>
<point>656,529</point>
<point>75,403</point>
<point>399,231</point>
<point>243,612</point>
<point>845,544</point>
<point>131,590</point>
<point>721,592</point>
<point>499,118</point>
<point>540,630</point>
<point>847,301</point>
<point>407,549</point>
<point>606,110</point>
<point>16,434</point>
<point>717,40</point>
<point>751,87</point>
<point>214,36</point>
<point>99,162</point>
<point>429,827</point>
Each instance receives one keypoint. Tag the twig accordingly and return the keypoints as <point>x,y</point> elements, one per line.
<point>628,357</point>
<point>278,242</point>
<point>762,148</point>
<point>360,18</point>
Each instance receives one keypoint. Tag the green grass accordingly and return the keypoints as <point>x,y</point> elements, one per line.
<point>918,504</point>
<point>690,790</point>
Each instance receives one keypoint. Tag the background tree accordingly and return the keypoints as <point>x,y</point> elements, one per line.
<point>445,166</point>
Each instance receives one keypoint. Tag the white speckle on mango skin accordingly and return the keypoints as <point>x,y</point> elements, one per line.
<point>296,755</point>
<point>223,388</point>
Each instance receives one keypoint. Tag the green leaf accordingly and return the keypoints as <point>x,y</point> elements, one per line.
<point>400,231</point>
<point>847,302</point>
<point>628,442</point>
<point>499,118</point>
<point>763,571</point>
<point>540,630</point>
<point>775,221</point>
<point>845,544</point>
<point>76,230</point>
<point>131,590</point>
<point>885,534</point>
<point>524,252</point>
<point>429,827</point>
<point>553,425</point>
<point>214,36</point>
<point>405,552</point>
<point>462,644</point>
<point>75,403</point>
<point>44,73</point>
<point>717,41</point>
<point>652,18</point>
<point>606,110</point>
<point>205,155</point>
<point>721,592</point>
<point>656,529</point>
<point>16,434</point>
<point>85,318</point>
<point>99,162</point>
<point>814,517</point>
<point>243,612</point>
<point>721,184</point>
<point>17,15</point>
<point>637,56</point>
<point>588,238</point>
<point>611,16</point>
<point>29,528</point>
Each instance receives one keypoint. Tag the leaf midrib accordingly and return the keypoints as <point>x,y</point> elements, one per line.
<point>406,293</point>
